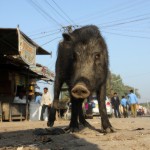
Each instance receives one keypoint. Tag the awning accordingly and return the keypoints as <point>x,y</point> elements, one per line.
<point>16,49</point>
<point>16,63</point>
<point>9,42</point>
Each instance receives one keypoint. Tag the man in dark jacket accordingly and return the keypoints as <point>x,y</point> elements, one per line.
<point>115,104</point>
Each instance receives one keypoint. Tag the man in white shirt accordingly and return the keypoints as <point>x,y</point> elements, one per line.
<point>46,101</point>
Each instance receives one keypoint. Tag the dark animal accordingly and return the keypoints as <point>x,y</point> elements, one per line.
<point>82,64</point>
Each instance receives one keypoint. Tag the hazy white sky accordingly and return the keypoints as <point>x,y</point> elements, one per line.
<point>124,24</point>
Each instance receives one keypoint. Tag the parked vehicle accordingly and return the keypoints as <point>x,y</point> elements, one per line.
<point>89,110</point>
<point>95,110</point>
<point>108,107</point>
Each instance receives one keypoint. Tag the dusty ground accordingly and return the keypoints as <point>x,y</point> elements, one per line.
<point>132,134</point>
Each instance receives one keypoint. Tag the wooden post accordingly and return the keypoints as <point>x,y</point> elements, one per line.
<point>27,95</point>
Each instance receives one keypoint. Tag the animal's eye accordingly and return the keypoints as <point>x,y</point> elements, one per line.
<point>97,56</point>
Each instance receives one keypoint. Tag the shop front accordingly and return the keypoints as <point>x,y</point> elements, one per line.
<point>17,79</point>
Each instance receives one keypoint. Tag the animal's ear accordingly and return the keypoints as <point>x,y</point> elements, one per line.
<point>67,37</point>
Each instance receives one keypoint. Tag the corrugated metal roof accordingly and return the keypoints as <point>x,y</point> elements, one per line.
<point>9,42</point>
<point>16,62</point>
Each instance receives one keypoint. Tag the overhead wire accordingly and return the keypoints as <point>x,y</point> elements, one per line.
<point>46,35</point>
<point>135,20</point>
<point>133,17</point>
<point>63,11</point>
<point>56,11</point>
<point>126,8</point>
<point>142,37</point>
<point>101,12</point>
<point>129,30</point>
<point>109,23</point>
<point>36,8</point>
<point>44,32</point>
<point>122,23</point>
<point>46,15</point>
<point>111,11</point>
<point>50,41</point>
<point>42,11</point>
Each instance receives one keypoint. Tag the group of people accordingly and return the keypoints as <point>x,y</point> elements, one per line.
<point>45,100</point>
<point>126,103</point>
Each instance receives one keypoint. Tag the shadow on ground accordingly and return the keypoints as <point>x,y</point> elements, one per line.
<point>33,139</point>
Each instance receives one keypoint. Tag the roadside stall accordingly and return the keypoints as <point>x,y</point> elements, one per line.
<point>35,108</point>
<point>18,80</point>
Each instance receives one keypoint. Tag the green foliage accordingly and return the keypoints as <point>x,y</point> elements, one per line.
<point>115,84</point>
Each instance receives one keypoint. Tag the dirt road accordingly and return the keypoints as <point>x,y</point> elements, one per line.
<point>131,134</point>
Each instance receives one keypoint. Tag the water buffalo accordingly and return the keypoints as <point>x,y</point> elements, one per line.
<point>82,63</point>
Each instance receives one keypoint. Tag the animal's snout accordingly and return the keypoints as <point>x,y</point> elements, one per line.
<point>80,91</point>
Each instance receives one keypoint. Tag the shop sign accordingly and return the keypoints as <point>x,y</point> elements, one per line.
<point>27,50</point>
<point>46,72</point>
<point>43,71</point>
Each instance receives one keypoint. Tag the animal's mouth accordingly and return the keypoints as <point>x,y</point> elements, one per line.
<point>80,91</point>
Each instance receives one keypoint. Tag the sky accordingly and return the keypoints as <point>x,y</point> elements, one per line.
<point>125,26</point>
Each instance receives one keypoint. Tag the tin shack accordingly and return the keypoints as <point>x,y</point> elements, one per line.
<point>19,73</point>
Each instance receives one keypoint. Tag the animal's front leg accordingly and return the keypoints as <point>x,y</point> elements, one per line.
<point>106,126</point>
<point>81,115</point>
<point>74,126</point>
<point>57,87</point>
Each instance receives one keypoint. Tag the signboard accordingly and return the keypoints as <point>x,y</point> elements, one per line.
<point>47,73</point>
<point>27,50</point>
<point>44,71</point>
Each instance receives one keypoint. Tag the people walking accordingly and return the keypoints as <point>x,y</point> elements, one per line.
<point>124,104</point>
<point>115,104</point>
<point>46,101</point>
<point>133,101</point>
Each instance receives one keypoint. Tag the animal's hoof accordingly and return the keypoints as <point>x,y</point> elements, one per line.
<point>71,129</point>
<point>86,124</point>
<point>50,124</point>
<point>109,130</point>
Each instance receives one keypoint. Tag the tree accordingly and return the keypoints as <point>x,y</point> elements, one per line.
<point>115,84</point>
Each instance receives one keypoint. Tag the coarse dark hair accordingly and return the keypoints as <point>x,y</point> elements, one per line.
<point>131,91</point>
<point>46,88</point>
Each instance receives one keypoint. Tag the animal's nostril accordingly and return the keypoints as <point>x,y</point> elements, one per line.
<point>80,91</point>
<point>83,91</point>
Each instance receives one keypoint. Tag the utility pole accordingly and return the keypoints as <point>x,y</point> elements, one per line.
<point>68,29</point>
